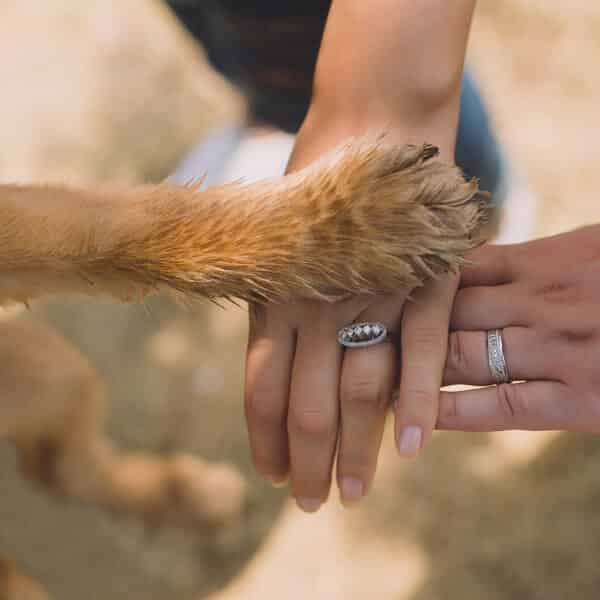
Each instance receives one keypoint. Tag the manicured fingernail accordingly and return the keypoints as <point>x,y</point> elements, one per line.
<point>410,441</point>
<point>351,489</point>
<point>309,505</point>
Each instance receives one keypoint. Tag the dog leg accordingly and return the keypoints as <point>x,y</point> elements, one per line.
<point>368,218</point>
<point>53,409</point>
<point>16,585</point>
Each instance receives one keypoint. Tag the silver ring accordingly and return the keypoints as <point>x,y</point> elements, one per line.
<point>496,359</point>
<point>360,335</point>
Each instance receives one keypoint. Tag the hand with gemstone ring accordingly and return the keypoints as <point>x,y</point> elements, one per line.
<point>548,312</point>
<point>308,397</point>
<point>304,391</point>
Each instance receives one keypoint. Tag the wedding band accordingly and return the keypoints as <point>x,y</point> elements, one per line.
<point>360,335</point>
<point>496,360</point>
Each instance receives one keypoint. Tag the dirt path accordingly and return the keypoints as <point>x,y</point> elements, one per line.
<point>496,517</point>
<point>540,65</point>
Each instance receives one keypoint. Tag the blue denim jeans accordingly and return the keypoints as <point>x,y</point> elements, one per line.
<point>478,151</point>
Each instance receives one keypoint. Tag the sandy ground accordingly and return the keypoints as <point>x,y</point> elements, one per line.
<point>539,63</point>
<point>105,93</point>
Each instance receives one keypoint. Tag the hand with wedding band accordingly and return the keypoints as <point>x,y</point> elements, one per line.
<point>544,298</point>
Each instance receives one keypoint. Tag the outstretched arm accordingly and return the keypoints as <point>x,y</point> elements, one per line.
<point>391,66</point>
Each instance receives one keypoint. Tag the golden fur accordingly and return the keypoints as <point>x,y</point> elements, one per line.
<point>368,218</point>
<point>52,409</point>
<point>16,585</point>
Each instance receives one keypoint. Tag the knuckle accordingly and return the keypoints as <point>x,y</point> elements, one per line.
<point>511,402</point>
<point>311,422</point>
<point>457,359</point>
<point>505,259</point>
<point>559,292</point>
<point>363,394</point>
<point>575,334</point>
<point>419,397</point>
<point>448,409</point>
<point>264,411</point>
<point>423,338</point>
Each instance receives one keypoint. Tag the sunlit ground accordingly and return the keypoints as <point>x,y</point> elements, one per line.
<point>111,90</point>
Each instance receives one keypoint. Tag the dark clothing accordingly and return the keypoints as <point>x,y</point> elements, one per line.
<point>269,48</point>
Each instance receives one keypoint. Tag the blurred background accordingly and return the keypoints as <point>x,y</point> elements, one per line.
<point>107,90</point>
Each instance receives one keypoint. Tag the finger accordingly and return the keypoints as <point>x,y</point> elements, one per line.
<point>489,265</point>
<point>527,356</point>
<point>368,376</point>
<point>424,344</point>
<point>482,308</point>
<point>534,405</point>
<point>268,367</point>
<point>313,413</point>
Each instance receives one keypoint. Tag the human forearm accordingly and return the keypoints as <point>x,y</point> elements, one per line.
<point>388,65</point>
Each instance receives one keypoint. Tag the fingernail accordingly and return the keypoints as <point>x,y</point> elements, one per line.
<point>351,489</point>
<point>277,482</point>
<point>309,505</point>
<point>410,441</point>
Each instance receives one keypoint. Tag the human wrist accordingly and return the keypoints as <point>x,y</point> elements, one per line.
<point>328,124</point>
<point>376,93</point>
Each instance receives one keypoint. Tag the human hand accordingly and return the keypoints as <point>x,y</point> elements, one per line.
<point>304,393</point>
<point>305,396</point>
<point>545,296</point>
